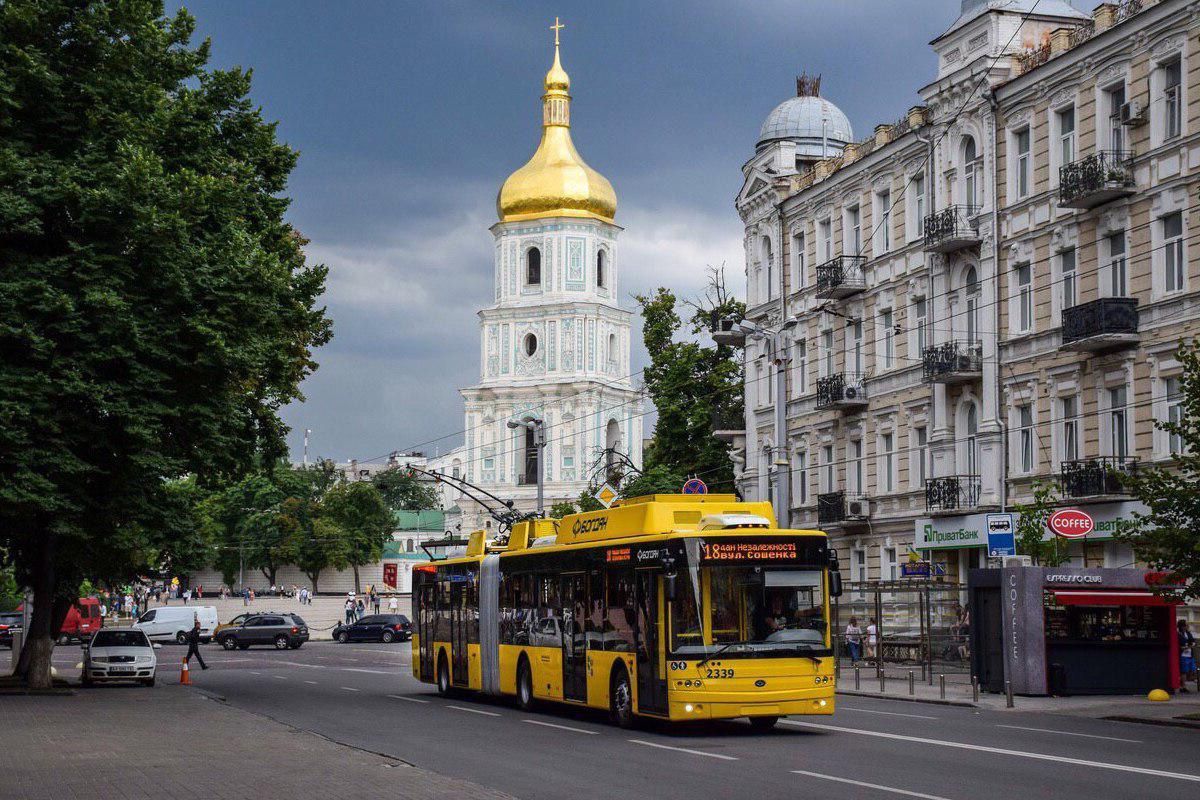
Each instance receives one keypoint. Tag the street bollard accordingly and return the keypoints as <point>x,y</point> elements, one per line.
<point>974,689</point>
<point>942,686</point>
<point>882,682</point>
<point>857,677</point>
<point>912,686</point>
<point>1008,697</point>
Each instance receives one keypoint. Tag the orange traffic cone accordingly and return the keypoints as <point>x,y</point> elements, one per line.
<point>184,676</point>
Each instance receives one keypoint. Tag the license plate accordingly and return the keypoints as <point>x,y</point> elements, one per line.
<point>120,672</point>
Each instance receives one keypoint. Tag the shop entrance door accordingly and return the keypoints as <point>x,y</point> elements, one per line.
<point>987,640</point>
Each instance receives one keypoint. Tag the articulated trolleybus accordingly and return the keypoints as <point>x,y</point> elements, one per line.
<point>678,607</point>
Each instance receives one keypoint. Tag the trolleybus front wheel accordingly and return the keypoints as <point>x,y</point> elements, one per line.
<point>763,724</point>
<point>621,700</point>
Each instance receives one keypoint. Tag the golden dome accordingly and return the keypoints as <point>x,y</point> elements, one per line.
<point>556,182</point>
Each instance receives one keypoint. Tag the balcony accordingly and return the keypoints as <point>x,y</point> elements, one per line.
<point>952,228</point>
<point>838,508</point>
<point>844,390</point>
<point>841,277</point>
<point>953,362</point>
<point>1109,323</point>
<point>728,426</point>
<point>1097,179</point>
<point>952,493</point>
<point>1095,477</point>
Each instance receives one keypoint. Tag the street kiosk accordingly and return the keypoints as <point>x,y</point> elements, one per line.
<point>1072,631</point>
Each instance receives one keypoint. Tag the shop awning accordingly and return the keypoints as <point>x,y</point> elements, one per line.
<point>1077,597</point>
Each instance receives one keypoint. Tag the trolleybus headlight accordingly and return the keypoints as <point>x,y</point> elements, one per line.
<point>689,708</point>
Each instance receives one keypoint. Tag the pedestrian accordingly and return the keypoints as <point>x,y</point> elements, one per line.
<point>392,604</point>
<point>854,640</point>
<point>187,595</point>
<point>1187,655</point>
<point>200,592</point>
<point>375,600</point>
<point>360,609</point>
<point>252,596</point>
<point>349,611</point>
<point>873,641</point>
<point>193,639</point>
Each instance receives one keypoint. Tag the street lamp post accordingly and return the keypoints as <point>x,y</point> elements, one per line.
<point>535,424</point>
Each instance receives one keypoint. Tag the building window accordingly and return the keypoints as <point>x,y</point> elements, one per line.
<point>856,467</point>
<point>1117,284</point>
<point>600,269</point>
<point>1172,99</point>
<point>972,440</point>
<point>856,329</point>
<point>889,338</point>
<point>1066,135</point>
<point>1025,427</point>
<point>801,361</point>
<point>1118,423</point>
<point>1066,262</point>
<point>918,188</point>
<point>1023,175</point>
<point>408,545</point>
<point>827,468</point>
<point>568,457</point>
<point>1174,396</point>
<point>883,237</point>
<point>801,479</point>
<point>533,266</point>
<point>891,564</point>
<point>825,234</point>
<point>768,260</point>
<point>860,565</point>
<point>921,319</point>
<point>887,444</point>
<point>761,378</point>
<point>921,451</point>
<point>1116,130</point>
<point>1173,263</point>
<point>970,172</point>
<point>1070,428</point>
<point>826,353</point>
<point>531,344</point>
<point>798,277</point>
<point>853,230</point>
<point>1024,279</point>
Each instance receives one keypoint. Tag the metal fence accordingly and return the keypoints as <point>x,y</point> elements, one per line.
<point>921,626</point>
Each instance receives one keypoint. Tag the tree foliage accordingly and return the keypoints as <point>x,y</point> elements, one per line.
<point>1031,527</point>
<point>403,490</point>
<point>156,310</point>
<point>358,509</point>
<point>1168,537</point>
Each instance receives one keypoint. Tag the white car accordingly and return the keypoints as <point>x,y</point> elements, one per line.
<point>119,654</point>
<point>172,623</point>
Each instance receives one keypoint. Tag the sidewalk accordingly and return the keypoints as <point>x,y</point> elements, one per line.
<point>181,744</point>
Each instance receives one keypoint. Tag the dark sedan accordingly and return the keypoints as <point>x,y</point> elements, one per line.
<point>10,623</point>
<point>375,628</point>
<point>283,631</point>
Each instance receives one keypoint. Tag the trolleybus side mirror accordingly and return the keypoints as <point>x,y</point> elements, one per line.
<point>669,585</point>
<point>835,584</point>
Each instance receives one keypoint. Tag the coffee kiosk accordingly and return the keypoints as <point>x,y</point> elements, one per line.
<point>1071,631</point>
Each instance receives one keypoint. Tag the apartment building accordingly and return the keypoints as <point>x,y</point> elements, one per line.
<point>978,295</point>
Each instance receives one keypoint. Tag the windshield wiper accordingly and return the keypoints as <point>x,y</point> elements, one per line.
<point>724,647</point>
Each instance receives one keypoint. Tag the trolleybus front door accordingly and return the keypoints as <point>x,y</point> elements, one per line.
<point>574,653</point>
<point>427,609</point>
<point>651,669</point>
<point>458,632</point>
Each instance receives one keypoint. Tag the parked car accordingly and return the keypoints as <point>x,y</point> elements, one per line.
<point>239,619</point>
<point>119,655</point>
<point>375,628</point>
<point>10,622</point>
<point>281,630</point>
<point>82,620</point>
<point>168,623</point>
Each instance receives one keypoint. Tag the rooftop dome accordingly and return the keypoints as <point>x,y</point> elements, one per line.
<point>809,120</point>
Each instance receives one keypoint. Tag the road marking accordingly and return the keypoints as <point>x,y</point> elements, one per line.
<point>350,689</point>
<point>314,683</point>
<point>888,713</point>
<point>684,750</point>
<point>560,727</point>
<point>369,671</point>
<point>409,699</point>
<point>1181,776</point>
<point>279,677</point>
<point>475,711</point>
<point>1068,733</point>
<point>252,672</point>
<point>881,787</point>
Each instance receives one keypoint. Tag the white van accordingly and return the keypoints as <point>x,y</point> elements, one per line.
<point>174,622</point>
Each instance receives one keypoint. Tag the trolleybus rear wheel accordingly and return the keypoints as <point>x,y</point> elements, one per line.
<point>622,700</point>
<point>443,676</point>
<point>524,687</point>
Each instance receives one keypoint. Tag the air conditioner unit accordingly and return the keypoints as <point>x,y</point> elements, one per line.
<point>851,393</point>
<point>858,509</point>
<point>1018,561</point>
<point>1132,113</point>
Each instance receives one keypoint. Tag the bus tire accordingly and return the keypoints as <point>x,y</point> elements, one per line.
<point>620,698</point>
<point>525,700</point>
<point>763,724</point>
<point>443,675</point>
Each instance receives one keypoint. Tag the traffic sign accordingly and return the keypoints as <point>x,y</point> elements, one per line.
<point>694,486</point>
<point>606,495</point>
<point>1001,535</point>
<point>1071,523</point>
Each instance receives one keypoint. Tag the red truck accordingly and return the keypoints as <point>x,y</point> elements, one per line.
<point>81,621</point>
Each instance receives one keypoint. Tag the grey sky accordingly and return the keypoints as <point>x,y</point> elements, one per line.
<point>409,115</point>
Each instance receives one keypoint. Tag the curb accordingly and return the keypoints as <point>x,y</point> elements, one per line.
<point>1167,723</point>
<point>905,699</point>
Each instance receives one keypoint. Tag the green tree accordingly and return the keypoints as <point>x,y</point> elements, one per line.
<point>1168,537</point>
<point>562,509</point>
<point>402,490</point>
<point>657,479</point>
<point>358,509</point>
<point>156,309</point>
<point>694,387</point>
<point>1031,527</point>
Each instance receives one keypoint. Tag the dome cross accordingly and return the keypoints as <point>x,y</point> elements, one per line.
<point>556,27</point>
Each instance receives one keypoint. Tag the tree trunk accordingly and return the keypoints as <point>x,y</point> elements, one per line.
<point>269,572</point>
<point>38,651</point>
<point>357,589</point>
<point>312,576</point>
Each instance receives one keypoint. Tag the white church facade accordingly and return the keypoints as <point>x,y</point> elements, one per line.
<point>555,342</point>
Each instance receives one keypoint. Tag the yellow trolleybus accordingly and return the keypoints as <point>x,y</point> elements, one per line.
<point>680,607</point>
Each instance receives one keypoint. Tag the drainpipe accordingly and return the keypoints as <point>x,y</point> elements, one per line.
<point>995,109</point>
<point>931,190</point>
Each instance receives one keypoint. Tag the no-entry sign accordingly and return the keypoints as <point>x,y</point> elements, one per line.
<point>1071,523</point>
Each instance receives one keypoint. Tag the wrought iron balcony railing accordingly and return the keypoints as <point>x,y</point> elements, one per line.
<point>841,277</point>
<point>841,390</point>
<point>1104,324</point>
<point>1092,477</point>
<point>952,362</point>
<point>952,228</point>
<point>952,493</point>
<point>1096,179</point>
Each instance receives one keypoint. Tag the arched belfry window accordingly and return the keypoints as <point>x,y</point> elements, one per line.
<point>531,344</point>
<point>533,266</point>
<point>600,276</point>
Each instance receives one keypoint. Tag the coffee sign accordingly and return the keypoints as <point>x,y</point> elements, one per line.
<point>1071,523</point>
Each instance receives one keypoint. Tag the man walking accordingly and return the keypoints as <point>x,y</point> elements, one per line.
<point>375,601</point>
<point>1187,658</point>
<point>349,611</point>
<point>194,643</point>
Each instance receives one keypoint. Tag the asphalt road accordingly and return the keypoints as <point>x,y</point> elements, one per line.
<point>363,695</point>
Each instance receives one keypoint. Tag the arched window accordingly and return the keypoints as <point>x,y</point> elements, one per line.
<point>612,349</point>
<point>972,440</point>
<point>768,267</point>
<point>971,284</point>
<point>600,276</point>
<point>612,444</point>
<point>531,344</point>
<point>970,172</point>
<point>409,545</point>
<point>533,266</point>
